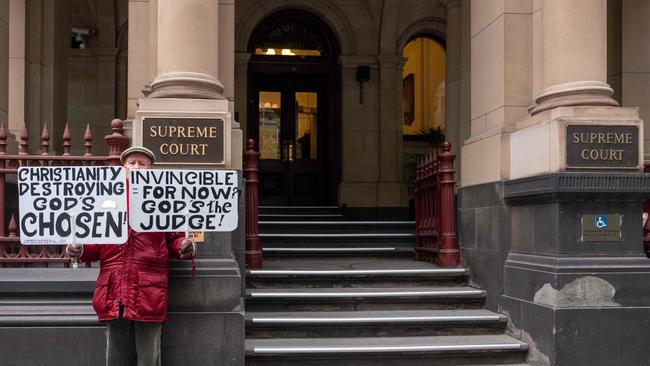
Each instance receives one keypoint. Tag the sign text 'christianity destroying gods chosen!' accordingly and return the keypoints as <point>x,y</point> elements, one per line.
<point>88,205</point>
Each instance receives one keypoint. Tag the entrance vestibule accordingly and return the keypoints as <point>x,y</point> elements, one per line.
<point>293,109</point>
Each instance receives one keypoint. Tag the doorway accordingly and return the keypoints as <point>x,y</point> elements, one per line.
<point>293,124</point>
<point>289,119</point>
<point>293,109</point>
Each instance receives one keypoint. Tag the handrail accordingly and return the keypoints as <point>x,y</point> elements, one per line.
<point>251,175</point>
<point>435,209</point>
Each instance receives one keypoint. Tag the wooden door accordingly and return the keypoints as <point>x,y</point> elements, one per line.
<point>291,118</point>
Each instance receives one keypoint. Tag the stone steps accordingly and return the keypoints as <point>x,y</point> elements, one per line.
<point>364,298</point>
<point>373,323</point>
<point>432,350</point>
<point>343,278</point>
<point>317,227</point>
<point>340,292</point>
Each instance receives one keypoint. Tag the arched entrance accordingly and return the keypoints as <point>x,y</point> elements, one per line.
<point>293,110</point>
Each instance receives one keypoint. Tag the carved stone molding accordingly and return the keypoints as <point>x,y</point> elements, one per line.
<point>186,85</point>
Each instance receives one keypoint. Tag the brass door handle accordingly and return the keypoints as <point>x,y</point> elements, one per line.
<point>290,152</point>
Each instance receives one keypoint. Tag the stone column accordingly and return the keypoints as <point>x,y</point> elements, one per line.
<point>17,61</point>
<point>226,62</point>
<point>452,67</point>
<point>359,134</point>
<point>574,52</point>
<point>391,191</point>
<point>187,50</point>
<point>241,84</point>
<point>635,68</point>
<point>191,48</point>
<point>138,60</point>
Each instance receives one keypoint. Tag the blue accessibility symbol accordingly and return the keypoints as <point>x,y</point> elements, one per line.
<point>600,222</point>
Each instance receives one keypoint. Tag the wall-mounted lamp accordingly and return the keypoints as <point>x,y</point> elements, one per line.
<point>363,75</point>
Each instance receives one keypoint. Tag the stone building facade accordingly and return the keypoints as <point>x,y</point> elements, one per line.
<point>511,75</point>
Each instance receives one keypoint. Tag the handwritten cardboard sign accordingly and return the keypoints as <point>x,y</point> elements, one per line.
<point>168,200</point>
<point>81,205</point>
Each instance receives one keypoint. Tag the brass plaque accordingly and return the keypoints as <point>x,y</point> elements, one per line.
<point>602,147</point>
<point>602,227</point>
<point>195,141</point>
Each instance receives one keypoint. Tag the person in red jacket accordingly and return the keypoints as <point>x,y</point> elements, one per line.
<point>131,289</point>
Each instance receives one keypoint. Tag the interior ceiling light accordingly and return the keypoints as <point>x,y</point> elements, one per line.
<point>271,51</point>
<point>287,52</point>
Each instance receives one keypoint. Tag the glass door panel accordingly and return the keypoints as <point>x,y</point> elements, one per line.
<point>306,128</point>
<point>270,124</point>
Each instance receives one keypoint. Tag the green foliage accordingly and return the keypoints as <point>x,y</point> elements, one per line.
<point>435,136</point>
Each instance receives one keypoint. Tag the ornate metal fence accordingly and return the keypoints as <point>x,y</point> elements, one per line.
<point>12,253</point>
<point>435,209</point>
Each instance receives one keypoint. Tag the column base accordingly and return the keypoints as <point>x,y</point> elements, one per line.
<point>193,85</point>
<point>566,291</point>
<point>567,309</point>
<point>205,313</point>
<point>579,93</point>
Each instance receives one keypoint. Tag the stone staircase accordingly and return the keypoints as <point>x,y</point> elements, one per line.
<point>336,292</point>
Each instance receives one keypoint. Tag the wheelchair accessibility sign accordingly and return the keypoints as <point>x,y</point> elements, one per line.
<point>601,227</point>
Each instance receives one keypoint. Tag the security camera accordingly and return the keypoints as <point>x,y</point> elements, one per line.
<point>79,36</point>
<point>82,31</point>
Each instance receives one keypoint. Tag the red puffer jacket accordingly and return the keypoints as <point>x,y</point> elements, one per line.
<point>134,274</point>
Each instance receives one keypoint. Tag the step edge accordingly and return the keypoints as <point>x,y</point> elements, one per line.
<point>477,347</point>
<point>373,320</point>
<point>336,222</point>
<point>339,235</point>
<point>337,249</point>
<point>357,272</point>
<point>252,294</point>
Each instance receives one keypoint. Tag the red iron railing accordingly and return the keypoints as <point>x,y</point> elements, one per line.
<point>12,253</point>
<point>435,209</point>
<point>251,175</point>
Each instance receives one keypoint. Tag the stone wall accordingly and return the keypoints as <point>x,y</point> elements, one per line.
<point>484,237</point>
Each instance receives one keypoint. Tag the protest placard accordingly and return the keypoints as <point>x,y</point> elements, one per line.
<point>172,200</point>
<point>81,205</point>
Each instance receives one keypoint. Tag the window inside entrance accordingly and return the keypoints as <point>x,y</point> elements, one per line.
<point>423,82</point>
<point>306,125</point>
<point>270,122</point>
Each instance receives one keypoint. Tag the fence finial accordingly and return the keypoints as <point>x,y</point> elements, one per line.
<point>45,140</point>
<point>12,226</point>
<point>66,140</point>
<point>88,141</point>
<point>24,142</point>
<point>3,140</point>
<point>116,141</point>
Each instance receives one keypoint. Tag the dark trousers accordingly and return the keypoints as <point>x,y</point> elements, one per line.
<point>131,343</point>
